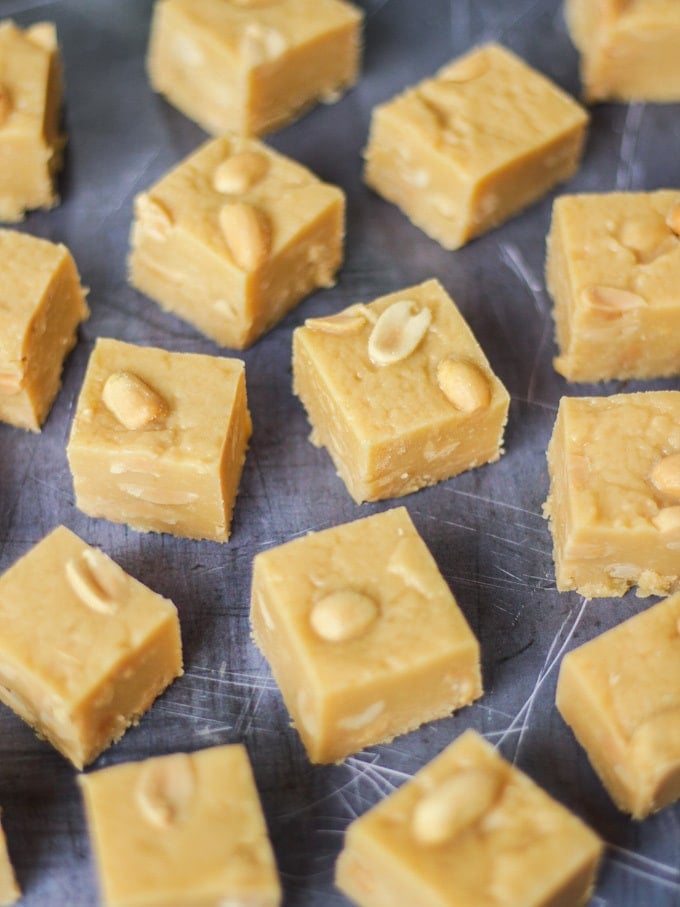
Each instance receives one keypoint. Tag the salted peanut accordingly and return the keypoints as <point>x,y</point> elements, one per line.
<point>362,634</point>
<point>234,237</point>
<point>612,517</point>
<point>84,648</point>
<point>9,890</point>
<point>468,829</point>
<point>181,829</point>
<point>251,66</point>
<point>42,305</point>
<point>392,417</point>
<point>31,142</point>
<point>470,147</point>
<point>629,50</point>
<point>620,694</point>
<point>613,271</point>
<point>159,439</point>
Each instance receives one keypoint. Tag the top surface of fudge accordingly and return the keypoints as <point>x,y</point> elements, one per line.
<point>194,193</point>
<point>237,24</point>
<point>486,108</point>
<point>27,267</point>
<point>26,58</point>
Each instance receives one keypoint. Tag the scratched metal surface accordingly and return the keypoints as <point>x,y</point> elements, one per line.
<point>484,528</point>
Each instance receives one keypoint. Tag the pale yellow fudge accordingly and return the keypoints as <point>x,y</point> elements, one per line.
<point>362,633</point>
<point>181,831</point>
<point>613,270</point>
<point>469,830</point>
<point>399,392</point>
<point>41,305</point>
<point>614,502</point>
<point>31,142</point>
<point>620,694</point>
<point>465,150</point>
<point>234,237</point>
<point>9,890</point>
<point>159,439</point>
<point>629,48</point>
<point>84,648</point>
<point>251,66</point>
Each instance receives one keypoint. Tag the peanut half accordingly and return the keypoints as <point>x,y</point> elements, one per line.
<point>398,332</point>
<point>349,321</point>
<point>97,581</point>
<point>451,807</point>
<point>248,234</point>
<point>612,302</point>
<point>130,399</point>
<point>343,615</point>
<point>165,789</point>
<point>665,475</point>
<point>241,172</point>
<point>464,384</point>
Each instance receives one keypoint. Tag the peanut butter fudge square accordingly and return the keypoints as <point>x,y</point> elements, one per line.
<point>84,648</point>
<point>159,439</point>
<point>251,66</point>
<point>184,830</point>
<point>465,150</point>
<point>620,693</point>
<point>469,830</point>
<point>31,142</point>
<point>399,392</point>
<point>362,633</point>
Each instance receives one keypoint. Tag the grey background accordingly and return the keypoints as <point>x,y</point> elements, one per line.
<point>484,528</point>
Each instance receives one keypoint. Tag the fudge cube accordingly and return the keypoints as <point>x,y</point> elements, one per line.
<point>399,392</point>
<point>9,890</point>
<point>251,67</point>
<point>84,648</point>
<point>159,439</point>
<point>613,270</point>
<point>620,694</point>
<point>42,305</point>
<point>469,829</point>
<point>363,635</point>
<point>629,50</point>
<point>182,831</point>
<point>614,502</point>
<point>234,237</point>
<point>30,103</point>
<point>462,152</point>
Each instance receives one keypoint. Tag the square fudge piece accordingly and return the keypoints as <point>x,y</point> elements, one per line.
<point>42,305</point>
<point>234,237</point>
<point>629,48</point>
<point>30,102</point>
<point>84,648</point>
<point>613,270</point>
<point>9,890</point>
<point>469,829</point>
<point>159,439</point>
<point>462,152</point>
<point>614,502</point>
<point>362,633</point>
<point>251,66</point>
<point>181,831</point>
<point>620,694</point>
<point>399,392</point>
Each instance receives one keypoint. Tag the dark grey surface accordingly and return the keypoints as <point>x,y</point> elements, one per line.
<point>484,528</point>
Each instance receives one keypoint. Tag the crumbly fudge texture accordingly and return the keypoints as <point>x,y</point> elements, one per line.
<point>629,48</point>
<point>181,831</point>
<point>9,890</point>
<point>159,439</point>
<point>30,101</point>
<point>620,693</point>
<point>399,392</point>
<point>614,502</point>
<point>234,237</point>
<point>362,633</point>
<point>613,270</point>
<point>84,648</point>
<point>465,150</point>
<point>41,305</point>
<point>251,66</point>
<point>469,830</point>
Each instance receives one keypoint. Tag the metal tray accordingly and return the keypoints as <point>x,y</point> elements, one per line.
<point>484,528</point>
